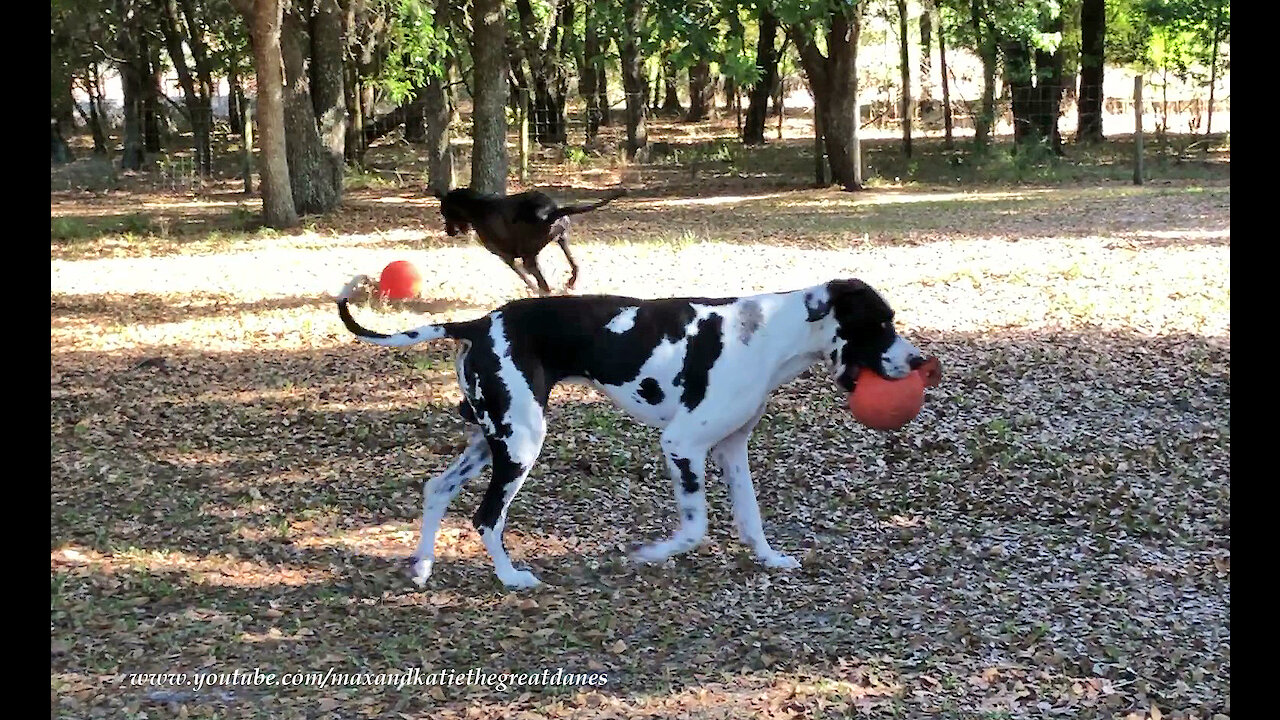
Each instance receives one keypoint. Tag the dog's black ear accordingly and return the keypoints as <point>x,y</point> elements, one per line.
<point>841,294</point>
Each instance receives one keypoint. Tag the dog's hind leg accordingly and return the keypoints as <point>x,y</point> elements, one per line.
<point>531,264</point>
<point>513,457</point>
<point>511,263</point>
<point>563,241</point>
<point>731,455</point>
<point>437,493</point>
<point>687,464</point>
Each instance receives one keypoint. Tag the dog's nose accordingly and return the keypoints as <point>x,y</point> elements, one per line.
<point>915,362</point>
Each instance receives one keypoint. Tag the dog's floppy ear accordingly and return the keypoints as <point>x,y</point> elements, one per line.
<point>840,293</point>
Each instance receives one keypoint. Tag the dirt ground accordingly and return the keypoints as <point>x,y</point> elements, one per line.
<point>235,483</point>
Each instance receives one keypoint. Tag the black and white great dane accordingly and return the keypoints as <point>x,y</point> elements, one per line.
<point>700,369</point>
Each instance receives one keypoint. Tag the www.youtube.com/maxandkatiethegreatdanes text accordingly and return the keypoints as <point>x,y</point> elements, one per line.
<point>398,679</point>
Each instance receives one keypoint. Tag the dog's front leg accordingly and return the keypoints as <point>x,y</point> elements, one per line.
<point>688,466</point>
<point>731,455</point>
<point>437,493</point>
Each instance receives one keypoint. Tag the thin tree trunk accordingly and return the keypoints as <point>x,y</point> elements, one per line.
<point>173,35</point>
<point>767,64</point>
<point>590,72</point>
<point>632,79</point>
<point>1093,29</point>
<point>947,120</point>
<point>233,97</point>
<point>926,56</point>
<point>95,112</point>
<point>489,118</point>
<point>204,77</point>
<point>904,53</point>
<point>1213,65</point>
<point>151,105</point>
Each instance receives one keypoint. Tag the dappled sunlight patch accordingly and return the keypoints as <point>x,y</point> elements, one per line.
<point>728,200</point>
<point>217,570</point>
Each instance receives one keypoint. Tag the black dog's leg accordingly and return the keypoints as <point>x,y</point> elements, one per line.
<point>531,264</point>
<point>563,240</point>
<point>511,263</point>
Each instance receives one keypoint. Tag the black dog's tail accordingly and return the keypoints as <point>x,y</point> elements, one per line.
<point>403,339</point>
<point>578,209</point>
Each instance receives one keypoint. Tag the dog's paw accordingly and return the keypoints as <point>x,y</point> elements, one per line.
<point>650,554</point>
<point>420,570</point>
<point>520,580</point>
<point>778,561</point>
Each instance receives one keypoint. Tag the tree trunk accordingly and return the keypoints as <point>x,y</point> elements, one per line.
<point>1213,64</point>
<point>1093,30</point>
<point>328,94</point>
<point>489,117</point>
<point>415,123</point>
<point>671,106</point>
<point>264,20</point>
<point>233,97</point>
<point>204,77</point>
<point>95,113</point>
<point>151,103</point>
<point>439,155</point>
<point>549,86</point>
<point>904,53</point>
<point>1017,76</point>
<point>701,93</point>
<point>132,84</point>
<point>1048,95</point>
<point>988,53</point>
<point>314,179</point>
<point>947,120</point>
<point>926,57</point>
<point>833,79</point>
<point>172,30</point>
<point>59,150</point>
<point>591,73</point>
<point>633,80</point>
<point>767,64</point>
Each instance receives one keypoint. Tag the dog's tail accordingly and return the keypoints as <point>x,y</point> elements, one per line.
<point>578,209</point>
<point>402,339</point>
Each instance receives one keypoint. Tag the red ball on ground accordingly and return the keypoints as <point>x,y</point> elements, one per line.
<point>887,404</point>
<point>400,281</point>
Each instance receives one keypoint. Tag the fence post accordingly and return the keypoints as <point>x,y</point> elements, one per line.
<point>523,114</point>
<point>1137,130</point>
<point>247,138</point>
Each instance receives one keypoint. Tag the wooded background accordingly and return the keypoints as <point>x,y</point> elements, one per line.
<point>326,78</point>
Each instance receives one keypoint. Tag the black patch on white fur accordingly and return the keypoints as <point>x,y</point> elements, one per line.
<point>688,478</point>
<point>651,391</point>
<point>817,307</point>
<point>700,354</point>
